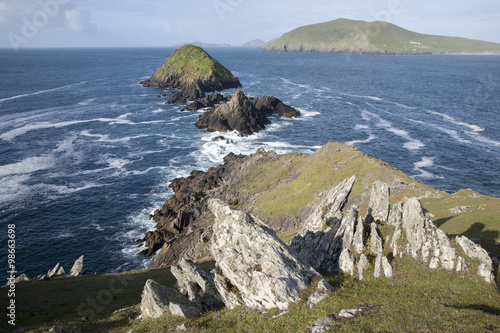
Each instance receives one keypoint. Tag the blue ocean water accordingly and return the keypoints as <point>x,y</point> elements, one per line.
<point>86,153</point>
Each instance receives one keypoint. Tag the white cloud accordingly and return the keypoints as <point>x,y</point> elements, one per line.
<point>78,20</point>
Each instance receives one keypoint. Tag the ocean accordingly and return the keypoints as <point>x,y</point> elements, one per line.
<point>86,153</point>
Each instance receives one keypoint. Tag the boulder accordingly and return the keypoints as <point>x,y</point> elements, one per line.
<point>196,284</point>
<point>242,115</point>
<point>177,98</point>
<point>52,272</point>
<point>77,267</point>
<point>158,301</point>
<point>253,264</point>
<point>475,251</point>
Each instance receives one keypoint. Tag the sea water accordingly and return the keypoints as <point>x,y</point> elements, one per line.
<point>86,153</point>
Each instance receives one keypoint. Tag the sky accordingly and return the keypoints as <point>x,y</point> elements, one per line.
<point>139,23</point>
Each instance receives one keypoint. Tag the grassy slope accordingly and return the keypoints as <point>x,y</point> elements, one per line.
<point>415,300</point>
<point>191,63</point>
<point>344,35</point>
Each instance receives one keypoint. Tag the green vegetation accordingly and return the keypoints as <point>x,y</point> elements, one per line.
<point>350,36</point>
<point>189,64</point>
<point>416,299</point>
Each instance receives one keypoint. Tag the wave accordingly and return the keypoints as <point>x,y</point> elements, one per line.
<point>42,91</point>
<point>425,162</point>
<point>452,120</point>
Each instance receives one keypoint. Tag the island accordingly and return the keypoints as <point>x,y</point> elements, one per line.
<point>378,37</point>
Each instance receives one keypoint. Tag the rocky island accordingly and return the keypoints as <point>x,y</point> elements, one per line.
<point>194,72</point>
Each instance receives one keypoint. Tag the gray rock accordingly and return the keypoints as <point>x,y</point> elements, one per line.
<point>375,244</point>
<point>362,265</point>
<point>350,313</point>
<point>54,270</point>
<point>324,321</point>
<point>315,298</point>
<point>378,266</point>
<point>158,301</point>
<point>77,267</point>
<point>359,237</point>
<point>21,278</point>
<point>346,263</point>
<point>323,285</point>
<point>196,284</point>
<point>378,208</point>
<point>254,262</point>
<point>321,237</point>
<point>44,277</point>
<point>475,251</point>
<point>386,267</point>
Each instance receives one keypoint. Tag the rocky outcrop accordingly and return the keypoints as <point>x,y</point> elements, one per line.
<point>158,301</point>
<point>405,230</point>
<point>196,284</point>
<point>254,267</point>
<point>244,114</point>
<point>194,72</point>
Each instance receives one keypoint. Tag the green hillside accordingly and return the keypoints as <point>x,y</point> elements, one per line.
<point>349,36</point>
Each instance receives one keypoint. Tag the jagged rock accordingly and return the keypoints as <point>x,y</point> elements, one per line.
<point>44,277</point>
<point>362,265</point>
<point>351,313</point>
<point>346,264</point>
<point>196,284</point>
<point>177,98</point>
<point>194,72</point>
<point>205,102</point>
<point>485,269</point>
<point>323,285</point>
<point>60,271</point>
<point>382,265</point>
<point>77,267</point>
<point>322,234</point>
<point>242,114</point>
<point>359,237</point>
<point>54,270</point>
<point>375,245</point>
<point>158,301</point>
<point>378,208</point>
<point>253,263</point>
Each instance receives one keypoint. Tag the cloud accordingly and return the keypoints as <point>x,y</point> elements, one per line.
<point>78,20</point>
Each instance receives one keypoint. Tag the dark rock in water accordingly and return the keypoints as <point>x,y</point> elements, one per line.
<point>194,72</point>
<point>244,114</point>
<point>219,138</point>
<point>178,98</point>
<point>205,102</point>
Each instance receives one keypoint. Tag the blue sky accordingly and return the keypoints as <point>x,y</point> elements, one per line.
<point>101,23</point>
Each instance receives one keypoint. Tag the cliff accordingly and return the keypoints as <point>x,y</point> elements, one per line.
<point>194,72</point>
<point>378,37</point>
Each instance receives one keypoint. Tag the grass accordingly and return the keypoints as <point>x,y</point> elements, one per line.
<point>344,35</point>
<point>191,63</point>
<point>416,299</point>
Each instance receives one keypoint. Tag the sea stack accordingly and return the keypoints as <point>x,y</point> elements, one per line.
<point>194,72</point>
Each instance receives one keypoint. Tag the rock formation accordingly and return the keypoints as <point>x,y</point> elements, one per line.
<point>77,267</point>
<point>158,301</point>
<point>244,114</point>
<point>196,284</point>
<point>254,267</point>
<point>330,246</point>
<point>194,72</point>
<point>205,102</point>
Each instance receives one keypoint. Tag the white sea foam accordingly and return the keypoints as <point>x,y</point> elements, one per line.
<point>450,119</point>
<point>41,91</point>
<point>28,165</point>
<point>305,114</point>
<point>370,138</point>
<point>425,162</point>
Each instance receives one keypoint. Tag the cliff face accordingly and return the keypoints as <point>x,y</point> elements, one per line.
<point>283,190</point>
<point>194,72</point>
